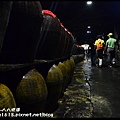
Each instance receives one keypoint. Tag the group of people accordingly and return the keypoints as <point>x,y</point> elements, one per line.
<point>99,48</point>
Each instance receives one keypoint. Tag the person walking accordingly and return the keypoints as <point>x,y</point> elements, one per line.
<point>111,45</point>
<point>92,52</point>
<point>99,44</point>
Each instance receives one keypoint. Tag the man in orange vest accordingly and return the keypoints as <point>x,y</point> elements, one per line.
<point>99,44</point>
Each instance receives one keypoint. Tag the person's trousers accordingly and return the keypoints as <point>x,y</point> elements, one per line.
<point>93,58</point>
<point>100,57</point>
<point>110,55</point>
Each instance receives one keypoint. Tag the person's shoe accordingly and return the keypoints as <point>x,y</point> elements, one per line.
<point>93,64</point>
<point>110,66</point>
<point>97,65</point>
<point>100,66</point>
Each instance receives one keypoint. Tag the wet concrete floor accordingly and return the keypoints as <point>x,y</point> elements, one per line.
<point>93,93</point>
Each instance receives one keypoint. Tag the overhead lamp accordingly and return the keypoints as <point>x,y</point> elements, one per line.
<point>89,2</point>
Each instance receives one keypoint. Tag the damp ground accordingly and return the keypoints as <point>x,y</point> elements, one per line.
<point>93,93</point>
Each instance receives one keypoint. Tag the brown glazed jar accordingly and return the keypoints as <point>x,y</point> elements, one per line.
<point>22,32</point>
<point>50,37</point>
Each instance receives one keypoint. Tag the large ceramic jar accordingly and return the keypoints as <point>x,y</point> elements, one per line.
<point>22,33</point>
<point>7,99</point>
<point>54,81</point>
<point>31,93</point>
<point>50,37</point>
